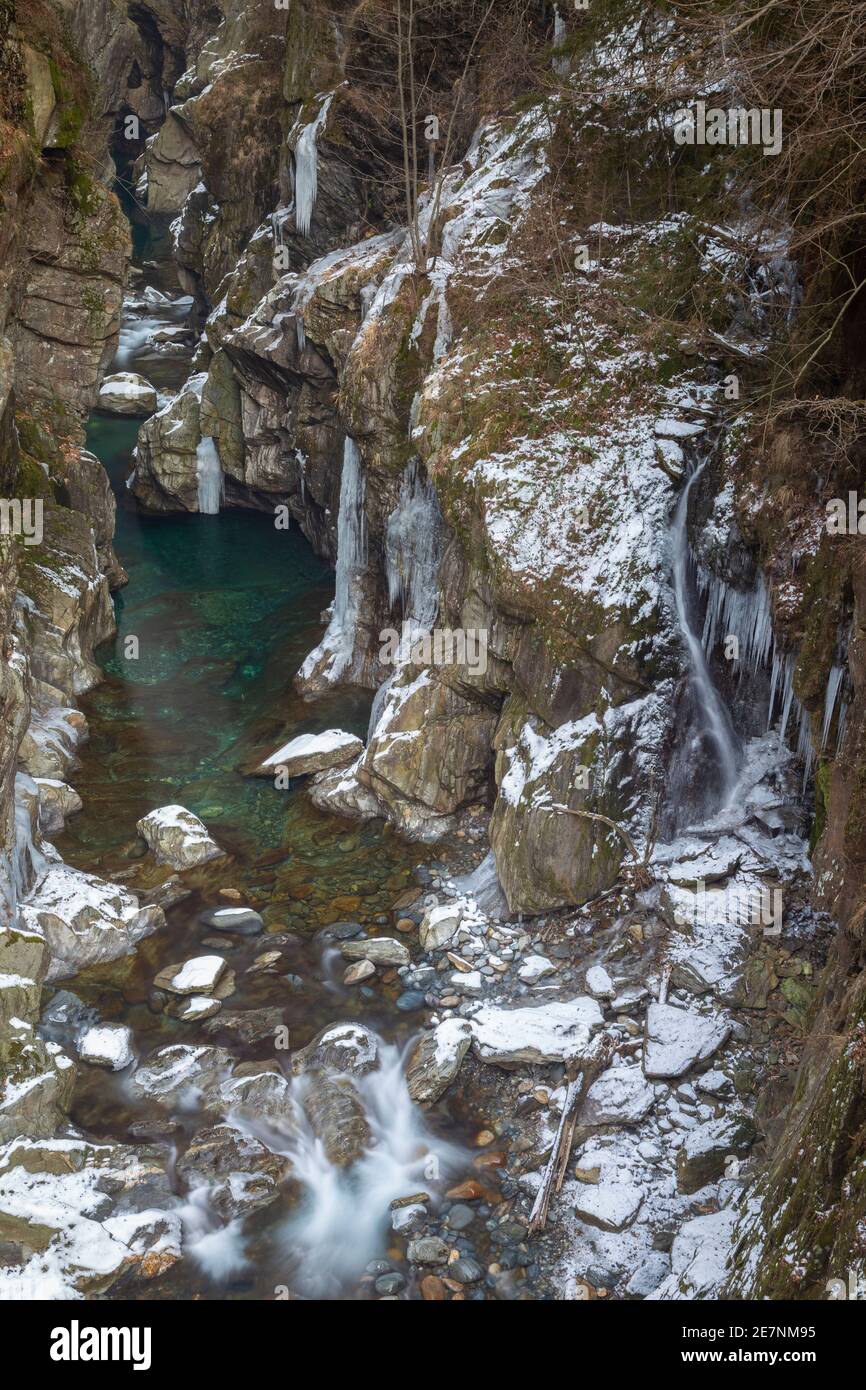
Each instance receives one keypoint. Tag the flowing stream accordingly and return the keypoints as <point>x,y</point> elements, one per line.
<point>217,616</point>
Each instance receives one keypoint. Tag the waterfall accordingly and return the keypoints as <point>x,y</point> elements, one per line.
<point>306,169</point>
<point>342,1220</point>
<point>211,483</point>
<point>413,549</point>
<point>709,707</point>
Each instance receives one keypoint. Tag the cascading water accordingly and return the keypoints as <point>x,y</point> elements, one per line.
<point>341,1220</point>
<point>713,733</point>
<point>211,482</point>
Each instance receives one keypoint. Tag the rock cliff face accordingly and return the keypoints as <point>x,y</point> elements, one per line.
<point>64,246</point>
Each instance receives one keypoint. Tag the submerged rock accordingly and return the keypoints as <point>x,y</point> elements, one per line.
<point>336,1116</point>
<point>341,1047</point>
<point>177,837</point>
<point>239,921</point>
<point>312,753</point>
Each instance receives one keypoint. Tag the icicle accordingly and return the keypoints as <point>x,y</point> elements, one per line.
<point>351,558</point>
<point>301,334</point>
<point>211,483</point>
<point>306,169</point>
<point>413,547</point>
<point>834,683</point>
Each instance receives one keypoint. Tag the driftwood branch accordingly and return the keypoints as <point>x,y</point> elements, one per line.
<point>557,1165</point>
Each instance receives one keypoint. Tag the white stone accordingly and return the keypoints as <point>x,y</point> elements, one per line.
<point>381,950</point>
<point>438,927</point>
<point>599,983</point>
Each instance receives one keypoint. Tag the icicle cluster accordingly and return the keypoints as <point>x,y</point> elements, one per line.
<point>413,549</point>
<point>747,615</point>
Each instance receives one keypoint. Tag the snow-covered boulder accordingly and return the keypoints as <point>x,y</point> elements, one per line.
<point>312,753</point>
<point>540,1033</point>
<point>177,837</point>
<point>107,1045</point>
<point>84,920</point>
<point>611,1207</point>
<point>621,1095</point>
<point>436,1060</point>
<point>676,1039</point>
<point>127,393</point>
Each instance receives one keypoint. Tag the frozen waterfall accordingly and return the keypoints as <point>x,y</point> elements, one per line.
<point>413,549</point>
<point>306,169</point>
<point>211,483</point>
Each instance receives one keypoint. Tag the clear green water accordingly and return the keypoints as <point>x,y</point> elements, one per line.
<point>215,621</point>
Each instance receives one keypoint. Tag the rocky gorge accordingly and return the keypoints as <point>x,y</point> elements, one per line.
<point>431,685</point>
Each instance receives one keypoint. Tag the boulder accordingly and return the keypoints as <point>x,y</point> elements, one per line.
<point>677,1039</point>
<point>621,1095</point>
<point>178,838</point>
<point>436,1060</point>
<point>127,393</point>
<point>706,1150</point>
<point>541,1033</point>
<point>84,920</point>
